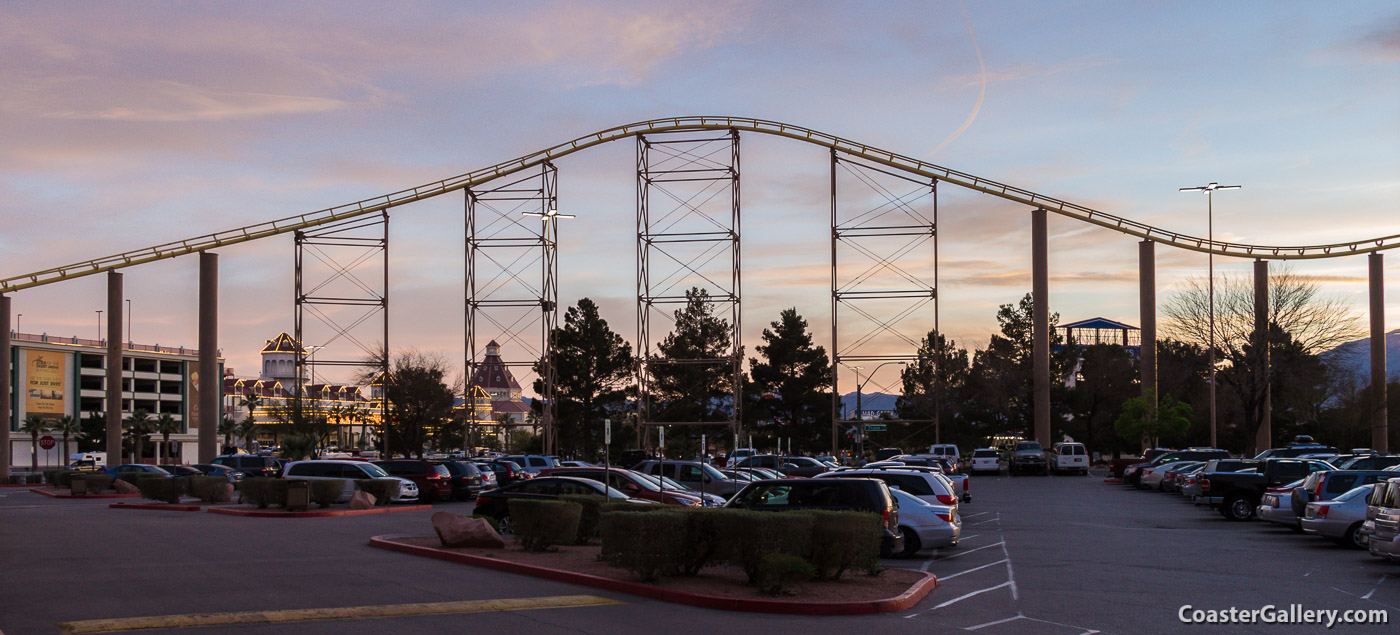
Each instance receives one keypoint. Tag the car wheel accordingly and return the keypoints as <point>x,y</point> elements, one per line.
<point>911,543</point>
<point>1353,538</point>
<point>1237,508</point>
<point>506,526</point>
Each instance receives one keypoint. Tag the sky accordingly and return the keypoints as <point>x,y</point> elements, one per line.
<point>131,124</point>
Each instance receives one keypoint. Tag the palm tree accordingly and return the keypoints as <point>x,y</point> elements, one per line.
<point>34,426</point>
<point>251,401</point>
<point>139,424</point>
<point>227,427</point>
<point>247,430</point>
<point>68,427</point>
<point>166,425</point>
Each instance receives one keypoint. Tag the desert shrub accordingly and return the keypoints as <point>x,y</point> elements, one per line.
<point>326,491</point>
<point>775,570</point>
<point>843,540</point>
<point>495,522</point>
<point>701,543</point>
<point>161,488</point>
<point>647,544</point>
<point>541,524</point>
<point>63,478</point>
<point>263,491</point>
<point>588,517</point>
<point>94,482</point>
<point>382,489</point>
<point>51,476</point>
<point>746,536</point>
<point>206,488</point>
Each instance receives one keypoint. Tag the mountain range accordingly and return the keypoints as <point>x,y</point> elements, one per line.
<point>1355,357</point>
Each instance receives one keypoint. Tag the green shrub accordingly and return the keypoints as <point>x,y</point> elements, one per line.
<point>206,488</point>
<point>747,536</point>
<point>161,488</point>
<point>701,543</point>
<point>326,491</point>
<point>843,540</point>
<point>495,522</point>
<point>775,570</point>
<point>263,491</point>
<point>51,476</point>
<point>541,524</point>
<point>647,544</point>
<point>624,506</point>
<point>382,489</point>
<point>94,482</point>
<point>588,518</point>
<point>63,478</point>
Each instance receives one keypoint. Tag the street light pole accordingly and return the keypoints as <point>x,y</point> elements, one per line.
<point>549,239</point>
<point>1210,238</point>
<point>860,421</point>
<point>99,326</point>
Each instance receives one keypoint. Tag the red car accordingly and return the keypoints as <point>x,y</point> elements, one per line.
<point>432,477</point>
<point>629,483</point>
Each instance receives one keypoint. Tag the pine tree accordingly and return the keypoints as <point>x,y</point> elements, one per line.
<point>791,387</point>
<point>593,368</point>
<point>692,376</point>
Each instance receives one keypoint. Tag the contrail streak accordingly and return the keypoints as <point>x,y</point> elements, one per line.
<point>981,93</point>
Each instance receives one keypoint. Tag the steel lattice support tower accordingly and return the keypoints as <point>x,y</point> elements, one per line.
<point>884,274</point>
<point>504,303</point>
<point>688,230</point>
<point>339,287</point>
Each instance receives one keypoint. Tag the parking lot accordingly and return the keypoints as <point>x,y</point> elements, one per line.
<point>1038,555</point>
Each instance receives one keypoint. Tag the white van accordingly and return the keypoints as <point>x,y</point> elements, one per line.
<point>947,450</point>
<point>1068,458</point>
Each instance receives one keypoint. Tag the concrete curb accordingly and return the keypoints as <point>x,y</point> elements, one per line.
<point>44,491</point>
<point>1115,481</point>
<point>156,506</point>
<point>265,513</point>
<point>900,602</point>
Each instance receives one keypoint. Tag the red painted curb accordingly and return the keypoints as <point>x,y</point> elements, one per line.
<point>55,494</point>
<point>1113,480</point>
<point>158,506</point>
<point>900,602</point>
<point>18,484</point>
<point>317,514</point>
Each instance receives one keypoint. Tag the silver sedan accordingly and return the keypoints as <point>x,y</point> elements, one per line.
<point>926,525</point>
<point>1339,518</point>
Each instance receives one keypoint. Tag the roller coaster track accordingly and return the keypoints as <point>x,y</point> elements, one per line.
<point>675,124</point>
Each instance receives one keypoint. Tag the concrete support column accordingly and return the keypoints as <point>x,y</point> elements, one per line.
<point>1040,332</point>
<point>113,403</point>
<point>210,382</point>
<point>1147,312</point>
<point>1264,438</point>
<point>1380,429</point>
<point>5,417</point>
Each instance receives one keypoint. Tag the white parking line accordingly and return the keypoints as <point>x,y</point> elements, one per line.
<point>944,578</point>
<point>982,522</point>
<point>1010,575</point>
<point>1373,589</point>
<point>975,515</point>
<point>963,553</point>
<point>967,538</point>
<point>960,598</point>
<point>981,626</point>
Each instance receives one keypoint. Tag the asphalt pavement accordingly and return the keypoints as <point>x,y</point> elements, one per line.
<point>1038,555</point>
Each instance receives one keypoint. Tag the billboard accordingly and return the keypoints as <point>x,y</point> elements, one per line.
<point>45,380</point>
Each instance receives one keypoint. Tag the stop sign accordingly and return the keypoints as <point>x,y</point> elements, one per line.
<point>46,442</point>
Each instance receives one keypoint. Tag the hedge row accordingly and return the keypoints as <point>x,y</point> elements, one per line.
<point>161,488</point>
<point>542,524</point>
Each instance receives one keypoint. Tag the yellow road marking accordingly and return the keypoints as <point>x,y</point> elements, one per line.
<point>190,620</point>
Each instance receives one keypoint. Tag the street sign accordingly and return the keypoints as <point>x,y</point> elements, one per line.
<point>661,432</point>
<point>607,431</point>
<point>46,442</point>
<point>875,427</point>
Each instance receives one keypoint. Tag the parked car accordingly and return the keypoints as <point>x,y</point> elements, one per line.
<point>986,460</point>
<point>924,525</point>
<point>1384,539</point>
<point>885,453</point>
<point>1339,518</point>
<point>251,464</point>
<point>1152,477</point>
<point>947,451</point>
<point>960,483</point>
<point>1200,490</point>
<point>496,503</point>
<point>433,479</point>
<point>1241,492</point>
<point>631,483</point>
<point>133,471</point>
<point>787,465</point>
<point>533,463</point>
<point>211,469</point>
<point>1027,456</point>
<point>1368,462</point>
<point>1380,492</point>
<point>1172,477</point>
<point>1296,451</point>
<point>1274,506</point>
<point>730,461</point>
<point>349,472</point>
<point>1116,467</point>
<point>701,477</point>
<point>1321,486</point>
<point>506,472</point>
<point>859,494</point>
<point>1068,458</point>
<point>468,479</point>
<point>922,482</point>
<point>1133,473</point>
<point>575,464</point>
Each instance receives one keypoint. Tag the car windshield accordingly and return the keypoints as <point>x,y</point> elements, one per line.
<point>909,500</point>
<point>1028,446</point>
<point>714,474</point>
<point>374,470</point>
<point>670,484</point>
<point>984,454</point>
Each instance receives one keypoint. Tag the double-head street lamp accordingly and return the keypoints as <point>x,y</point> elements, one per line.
<point>549,241</point>
<point>1210,237</point>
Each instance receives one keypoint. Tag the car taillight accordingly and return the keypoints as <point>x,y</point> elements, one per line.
<point>1205,485</point>
<point>437,477</point>
<point>947,518</point>
<point>1317,491</point>
<point>1322,511</point>
<point>480,500</point>
<point>947,499</point>
<point>885,517</point>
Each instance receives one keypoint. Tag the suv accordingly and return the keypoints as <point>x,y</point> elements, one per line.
<point>251,464</point>
<point>985,460</point>
<point>349,471</point>
<point>946,450</point>
<point>1068,458</point>
<point>433,479</point>
<point>927,485</point>
<point>858,494</point>
<point>701,477</point>
<point>1384,540</point>
<point>1027,456</point>
<point>533,463</point>
<point>468,479</point>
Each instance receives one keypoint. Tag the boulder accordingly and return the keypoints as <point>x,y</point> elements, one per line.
<point>223,493</point>
<point>456,530</point>
<point>125,487</point>
<point>362,500</point>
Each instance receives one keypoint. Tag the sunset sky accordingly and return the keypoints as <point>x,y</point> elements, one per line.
<point>125,125</point>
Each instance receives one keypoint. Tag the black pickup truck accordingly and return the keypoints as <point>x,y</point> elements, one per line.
<point>1239,492</point>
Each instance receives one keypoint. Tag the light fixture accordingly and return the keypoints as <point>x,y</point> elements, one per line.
<point>1210,238</point>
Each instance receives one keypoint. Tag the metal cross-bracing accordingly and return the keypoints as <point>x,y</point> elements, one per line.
<point>884,277</point>
<point>342,307</point>
<point>688,249</point>
<point>512,294</point>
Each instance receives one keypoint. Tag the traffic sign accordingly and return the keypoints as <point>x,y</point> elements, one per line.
<point>875,427</point>
<point>607,431</point>
<point>46,442</point>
